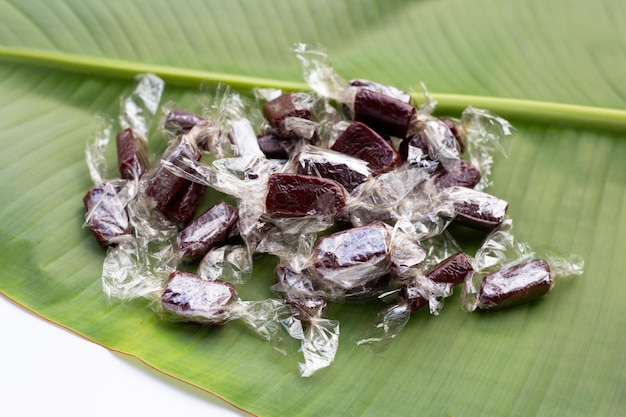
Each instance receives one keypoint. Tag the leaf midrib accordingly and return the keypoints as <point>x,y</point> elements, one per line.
<point>531,111</point>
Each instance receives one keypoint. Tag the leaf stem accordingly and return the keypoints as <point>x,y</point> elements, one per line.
<point>531,111</point>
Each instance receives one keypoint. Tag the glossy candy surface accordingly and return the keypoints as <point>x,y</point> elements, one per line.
<point>131,154</point>
<point>385,114</point>
<point>210,229</point>
<point>295,195</point>
<point>516,284</point>
<point>106,213</point>
<point>360,141</point>
<point>191,298</point>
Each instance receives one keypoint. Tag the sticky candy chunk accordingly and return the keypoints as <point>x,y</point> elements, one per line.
<point>163,186</point>
<point>273,146</point>
<point>383,113</point>
<point>360,141</point>
<point>453,270</point>
<point>211,228</point>
<point>283,106</point>
<point>106,213</point>
<point>188,297</point>
<point>516,284</point>
<point>185,203</point>
<point>131,154</point>
<point>348,171</point>
<point>299,291</point>
<point>476,209</point>
<point>180,121</point>
<point>295,195</point>
<point>461,173</point>
<point>353,260</point>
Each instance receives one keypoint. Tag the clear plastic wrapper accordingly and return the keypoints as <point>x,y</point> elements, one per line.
<point>319,336</point>
<point>486,135</point>
<point>190,298</point>
<point>137,109</point>
<point>320,341</point>
<point>509,273</point>
<point>359,263</point>
<point>445,268</point>
<point>231,263</point>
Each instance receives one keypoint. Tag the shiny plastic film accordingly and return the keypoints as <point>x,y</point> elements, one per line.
<point>509,273</point>
<point>351,187</point>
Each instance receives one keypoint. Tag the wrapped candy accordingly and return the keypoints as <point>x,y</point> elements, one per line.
<point>190,298</point>
<point>445,268</point>
<point>509,273</point>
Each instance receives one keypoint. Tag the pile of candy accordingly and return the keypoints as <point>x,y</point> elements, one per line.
<point>349,185</point>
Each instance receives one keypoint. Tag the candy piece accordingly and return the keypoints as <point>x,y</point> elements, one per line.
<point>452,270</point>
<point>461,173</point>
<point>273,146</point>
<point>475,209</point>
<point>515,284</point>
<point>299,291</point>
<point>180,121</point>
<point>191,298</point>
<point>211,228</point>
<point>186,202</point>
<point>347,171</point>
<point>285,106</point>
<point>106,213</point>
<point>163,186</point>
<point>360,141</point>
<point>354,261</point>
<point>131,154</point>
<point>383,113</point>
<point>295,195</point>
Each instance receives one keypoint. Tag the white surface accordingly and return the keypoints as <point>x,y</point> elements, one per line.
<point>46,370</point>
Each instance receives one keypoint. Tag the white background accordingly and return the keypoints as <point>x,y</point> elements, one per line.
<point>47,370</point>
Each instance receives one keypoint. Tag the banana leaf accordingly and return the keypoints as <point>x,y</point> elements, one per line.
<point>63,61</point>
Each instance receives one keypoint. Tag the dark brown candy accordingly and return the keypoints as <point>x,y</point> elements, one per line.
<point>284,106</point>
<point>131,154</point>
<point>348,171</point>
<point>180,121</point>
<point>383,113</point>
<point>188,297</point>
<point>460,172</point>
<point>360,141</point>
<point>299,291</point>
<point>210,229</point>
<point>453,270</point>
<point>106,213</point>
<point>455,132</point>
<point>171,194</point>
<point>295,195</point>
<point>476,209</point>
<point>273,146</point>
<point>516,284</point>
<point>353,262</point>
<point>184,206</point>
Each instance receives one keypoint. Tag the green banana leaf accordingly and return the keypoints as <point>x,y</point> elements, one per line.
<point>565,181</point>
